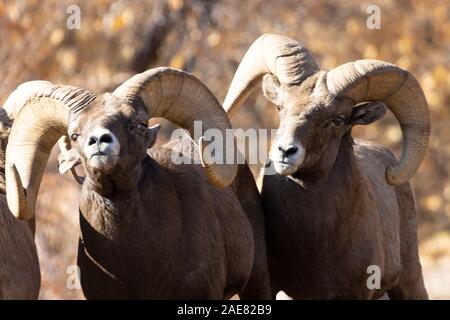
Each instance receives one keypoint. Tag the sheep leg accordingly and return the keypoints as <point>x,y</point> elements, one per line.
<point>411,284</point>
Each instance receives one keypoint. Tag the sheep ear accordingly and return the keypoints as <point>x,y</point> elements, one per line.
<point>67,160</point>
<point>271,88</point>
<point>152,133</point>
<point>368,113</point>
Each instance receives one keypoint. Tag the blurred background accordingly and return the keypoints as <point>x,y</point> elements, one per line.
<point>118,38</point>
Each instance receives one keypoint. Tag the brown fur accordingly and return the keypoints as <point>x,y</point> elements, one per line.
<point>19,265</point>
<point>337,215</point>
<point>154,230</point>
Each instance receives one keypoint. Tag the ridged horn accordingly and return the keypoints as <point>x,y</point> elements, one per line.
<point>281,56</point>
<point>17,99</point>
<point>42,120</point>
<point>373,80</point>
<point>181,98</point>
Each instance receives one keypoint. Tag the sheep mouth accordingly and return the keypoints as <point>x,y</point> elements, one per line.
<point>98,154</point>
<point>284,168</point>
<point>103,162</point>
<point>103,154</point>
<point>284,162</point>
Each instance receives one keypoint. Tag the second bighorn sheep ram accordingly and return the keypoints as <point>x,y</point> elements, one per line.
<point>336,205</point>
<point>149,228</point>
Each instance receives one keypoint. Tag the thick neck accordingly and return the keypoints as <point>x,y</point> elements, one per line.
<point>135,229</point>
<point>121,180</point>
<point>343,181</point>
<point>345,178</point>
<point>345,161</point>
<point>120,208</point>
<point>345,167</point>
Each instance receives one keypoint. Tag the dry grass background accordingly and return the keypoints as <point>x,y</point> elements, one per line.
<point>208,38</point>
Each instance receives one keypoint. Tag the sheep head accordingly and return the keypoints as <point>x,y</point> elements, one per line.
<point>110,139</point>
<point>318,107</point>
<point>109,133</point>
<point>312,123</point>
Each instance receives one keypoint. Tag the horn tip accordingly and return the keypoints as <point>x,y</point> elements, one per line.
<point>222,178</point>
<point>394,177</point>
<point>15,194</point>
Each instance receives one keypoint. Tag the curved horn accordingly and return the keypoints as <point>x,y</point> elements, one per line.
<point>181,98</point>
<point>17,99</point>
<point>281,56</point>
<point>42,120</point>
<point>372,80</point>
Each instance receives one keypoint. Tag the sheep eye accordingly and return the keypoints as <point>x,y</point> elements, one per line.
<point>74,136</point>
<point>279,107</point>
<point>339,121</point>
<point>142,127</point>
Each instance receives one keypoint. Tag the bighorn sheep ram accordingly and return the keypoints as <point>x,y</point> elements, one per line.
<point>336,205</point>
<point>149,228</point>
<point>19,265</point>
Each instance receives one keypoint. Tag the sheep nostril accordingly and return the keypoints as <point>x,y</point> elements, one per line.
<point>290,150</point>
<point>106,138</point>
<point>92,140</point>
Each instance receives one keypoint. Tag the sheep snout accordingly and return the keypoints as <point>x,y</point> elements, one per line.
<point>102,149</point>
<point>287,158</point>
